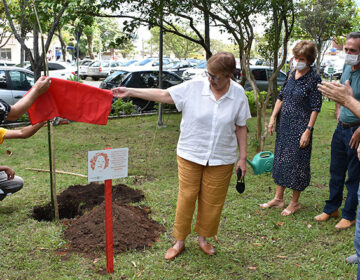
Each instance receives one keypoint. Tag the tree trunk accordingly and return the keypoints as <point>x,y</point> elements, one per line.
<point>62,43</point>
<point>318,58</point>
<point>207,29</point>
<point>90,43</point>
<point>37,61</point>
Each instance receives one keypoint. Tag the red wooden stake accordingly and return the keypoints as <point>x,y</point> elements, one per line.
<point>109,227</point>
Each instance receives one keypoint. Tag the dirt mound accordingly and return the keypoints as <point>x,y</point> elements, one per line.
<point>84,205</point>
<point>132,229</point>
<point>75,200</point>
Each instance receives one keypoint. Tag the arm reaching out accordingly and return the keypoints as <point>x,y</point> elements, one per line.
<point>20,108</point>
<point>152,94</point>
<point>23,133</point>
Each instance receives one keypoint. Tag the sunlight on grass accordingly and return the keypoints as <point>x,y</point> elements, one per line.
<point>253,243</point>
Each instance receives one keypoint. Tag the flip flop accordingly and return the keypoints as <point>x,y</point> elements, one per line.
<point>240,185</point>
<point>287,212</point>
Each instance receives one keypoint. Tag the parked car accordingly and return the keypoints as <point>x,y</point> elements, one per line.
<point>14,83</point>
<point>59,69</point>
<point>83,68</point>
<point>199,71</point>
<point>195,72</point>
<point>149,63</point>
<point>262,75</point>
<point>335,65</point>
<point>128,63</point>
<point>7,63</point>
<point>256,61</point>
<point>179,67</point>
<point>122,66</point>
<point>101,68</point>
<point>140,79</point>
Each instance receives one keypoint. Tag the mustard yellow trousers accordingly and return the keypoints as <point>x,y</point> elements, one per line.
<point>208,186</point>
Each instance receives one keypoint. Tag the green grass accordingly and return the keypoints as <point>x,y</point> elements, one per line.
<point>278,247</point>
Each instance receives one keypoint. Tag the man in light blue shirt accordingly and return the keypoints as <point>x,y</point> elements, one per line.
<point>344,143</point>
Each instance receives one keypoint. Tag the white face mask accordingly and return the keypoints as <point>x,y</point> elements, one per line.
<point>352,59</point>
<point>299,65</point>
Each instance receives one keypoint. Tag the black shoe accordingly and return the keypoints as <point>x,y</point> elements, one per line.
<point>240,185</point>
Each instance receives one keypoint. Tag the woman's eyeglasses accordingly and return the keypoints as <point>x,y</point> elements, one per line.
<point>213,77</point>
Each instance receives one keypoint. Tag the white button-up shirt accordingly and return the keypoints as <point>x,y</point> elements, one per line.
<point>207,130</point>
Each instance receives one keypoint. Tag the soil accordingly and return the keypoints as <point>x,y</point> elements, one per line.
<point>82,211</point>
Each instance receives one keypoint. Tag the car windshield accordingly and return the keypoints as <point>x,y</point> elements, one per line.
<point>174,64</point>
<point>105,63</point>
<point>143,62</point>
<point>165,62</point>
<point>202,65</point>
<point>129,63</point>
<point>86,63</point>
<point>116,77</point>
<point>96,64</point>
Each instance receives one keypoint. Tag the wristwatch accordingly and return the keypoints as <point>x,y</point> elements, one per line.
<point>310,128</point>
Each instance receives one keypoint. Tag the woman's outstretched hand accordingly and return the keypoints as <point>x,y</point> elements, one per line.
<point>120,92</point>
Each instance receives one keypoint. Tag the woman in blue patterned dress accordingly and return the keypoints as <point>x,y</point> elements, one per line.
<point>296,110</point>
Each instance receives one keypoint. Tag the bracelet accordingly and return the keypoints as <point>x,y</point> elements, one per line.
<point>310,128</point>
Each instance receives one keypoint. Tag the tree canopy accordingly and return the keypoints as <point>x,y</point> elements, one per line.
<point>324,20</point>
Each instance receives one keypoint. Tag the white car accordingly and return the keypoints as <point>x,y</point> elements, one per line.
<point>195,72</point>
<point>59,69</point>
<point>148,63</point>
<point>334,67</point>
<point>83,68</point>
<point>101,68</point>
<point>14,83</point>
<point>7,63</point>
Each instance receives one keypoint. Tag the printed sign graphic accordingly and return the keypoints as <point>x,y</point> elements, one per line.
<point>107,164</point>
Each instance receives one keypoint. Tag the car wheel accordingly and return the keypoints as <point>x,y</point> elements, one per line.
<point>83,77</point>
<point>95,78</point>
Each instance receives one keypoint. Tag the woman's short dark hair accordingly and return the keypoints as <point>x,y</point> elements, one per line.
<point>306,48</point>
<point>222,62</point>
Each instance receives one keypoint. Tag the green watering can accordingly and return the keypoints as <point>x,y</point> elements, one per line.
<point>262,162</point>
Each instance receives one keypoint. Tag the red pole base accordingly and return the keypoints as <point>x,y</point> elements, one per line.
<point>109,227</point>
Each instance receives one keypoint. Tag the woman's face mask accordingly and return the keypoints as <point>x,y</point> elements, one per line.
<point>299,65</point>
<point>352,59</point>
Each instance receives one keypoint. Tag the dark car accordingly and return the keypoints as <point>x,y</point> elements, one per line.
<point>14,83</point>
<point>141,79</point>
<point>262,75</point>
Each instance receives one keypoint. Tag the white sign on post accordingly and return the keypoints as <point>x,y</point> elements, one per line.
<point>107,164</point>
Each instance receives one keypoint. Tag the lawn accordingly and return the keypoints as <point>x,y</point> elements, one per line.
<point>253,243</point>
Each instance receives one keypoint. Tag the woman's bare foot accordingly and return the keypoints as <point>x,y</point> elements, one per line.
<point>291,209</point>
<point>276,203</point>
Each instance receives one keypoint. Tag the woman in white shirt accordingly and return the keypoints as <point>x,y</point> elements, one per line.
<point>214,113</point>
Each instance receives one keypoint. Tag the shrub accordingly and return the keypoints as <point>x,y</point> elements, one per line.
<point>120,106</point>
<point>74,78</point>
<point>165,106</point>
<point>251,99</point>
<point>23,118</point>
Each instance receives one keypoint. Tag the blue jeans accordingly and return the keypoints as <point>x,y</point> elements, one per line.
<point>357,238</point>
<point>343,159</point>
